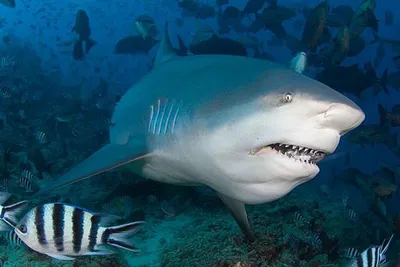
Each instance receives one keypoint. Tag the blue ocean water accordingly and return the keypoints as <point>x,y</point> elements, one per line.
<point>56,111</point>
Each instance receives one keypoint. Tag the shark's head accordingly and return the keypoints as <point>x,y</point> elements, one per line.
<point>274,139</point>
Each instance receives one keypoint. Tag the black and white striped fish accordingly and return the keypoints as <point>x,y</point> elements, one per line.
<point>27,174</point>
<point>62,231</point>
<point>374,256</point>
<point>8,213</point>
<point>41,137</point>
<point>5,91</point>
<point>299,219</point>
<point>13,238</point>
<point>25,183</point>
<point>351,253</point>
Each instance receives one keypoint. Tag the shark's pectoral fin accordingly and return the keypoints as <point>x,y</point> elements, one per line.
<point>238,210</point>
<point>107,158</point>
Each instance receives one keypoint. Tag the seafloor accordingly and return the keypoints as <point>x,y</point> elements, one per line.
<point>202,233</point>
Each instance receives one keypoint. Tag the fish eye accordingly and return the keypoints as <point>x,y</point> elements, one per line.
<point>287,98</point>
<point>22,228</point>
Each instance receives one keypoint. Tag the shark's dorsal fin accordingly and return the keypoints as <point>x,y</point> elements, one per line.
<point>166,51</point>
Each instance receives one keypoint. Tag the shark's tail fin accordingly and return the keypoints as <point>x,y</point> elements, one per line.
<point>117,236</point>
<point>8,215</point>
<point>89,44</point>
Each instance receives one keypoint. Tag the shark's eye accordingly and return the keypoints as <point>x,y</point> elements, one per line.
<point>22,228</point>
<point>287,97</point>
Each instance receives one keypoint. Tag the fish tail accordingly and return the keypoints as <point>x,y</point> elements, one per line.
<point>8,213</point>
<point>382,114</point>
<point>117,236</point>
<point>89,44</point>
<point>4,196</point>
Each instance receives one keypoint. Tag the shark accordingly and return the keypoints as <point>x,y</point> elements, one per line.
<point>250,129</point>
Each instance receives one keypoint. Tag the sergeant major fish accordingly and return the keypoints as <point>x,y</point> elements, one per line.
<point>62,231</point>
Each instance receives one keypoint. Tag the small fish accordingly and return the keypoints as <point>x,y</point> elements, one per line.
<point>27,174</point>
<point>13,238</point>
<point>299,62</point>
<point>316,240</point>
<point>7,62</point>
<point>25,183</point>
<point>5,91</point>
<point>351,253</point>
<point>152,198</point>
<point>390,117</point>
<point>41,137</point>
<point>8,213</point>
<point>299,219</point>
<point>352,215</point>
<point>374,256</point>
<point>63,231</point>
<point>146,26</point>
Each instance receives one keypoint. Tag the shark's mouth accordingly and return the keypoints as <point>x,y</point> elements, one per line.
<point>303,154</point>
<point>297,153</point>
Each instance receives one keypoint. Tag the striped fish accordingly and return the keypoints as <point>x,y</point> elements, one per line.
<point>28,174</point>
<point>8,213</point>
<point>351,253</point>
<point>41,137</point>
<point>13,238</point>
<point>62,231</point>
<point>299,219</point>
<point>25,183</point>
<point>352,215</point>
<point>5,92</point>
<point>374,256</point>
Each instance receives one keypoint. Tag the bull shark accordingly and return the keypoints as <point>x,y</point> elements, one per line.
<point>250,129</point>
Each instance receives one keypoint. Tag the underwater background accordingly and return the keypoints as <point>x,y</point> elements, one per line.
<point>57,96</point>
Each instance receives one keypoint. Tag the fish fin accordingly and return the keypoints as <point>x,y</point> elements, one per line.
<point>89,44</point>
<point>238,211</point>
<point>100,252</point>
<point>117,235</point>
<point>382,114</point>
<point>61,257</point>
<point>166,51</point>
<point>107,219</point>
<point>4,196</point>
<point>107,158</point>
<point>4,226</point>
<point>385,244</point>
<point>11,211</point>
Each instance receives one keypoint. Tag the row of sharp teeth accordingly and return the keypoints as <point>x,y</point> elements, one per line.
<point>301,158</point>
<point>300,149</point>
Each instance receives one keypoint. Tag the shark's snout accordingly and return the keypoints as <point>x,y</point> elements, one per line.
<point>343,117</point>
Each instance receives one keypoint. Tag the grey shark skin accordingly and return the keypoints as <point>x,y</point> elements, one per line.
<point>208,120</point>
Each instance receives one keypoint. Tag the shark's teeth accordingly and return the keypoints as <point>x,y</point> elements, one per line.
<point>298,153</point>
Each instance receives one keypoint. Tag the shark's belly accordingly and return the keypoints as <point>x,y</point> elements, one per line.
<point>169,168</point>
